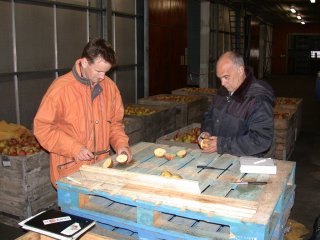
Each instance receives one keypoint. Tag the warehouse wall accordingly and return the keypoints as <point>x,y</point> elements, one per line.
<point>40,40</point>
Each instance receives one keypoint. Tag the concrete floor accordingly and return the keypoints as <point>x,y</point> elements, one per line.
<point>306,153</point>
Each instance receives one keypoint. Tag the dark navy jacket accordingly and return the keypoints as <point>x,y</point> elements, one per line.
<point>244,121</point>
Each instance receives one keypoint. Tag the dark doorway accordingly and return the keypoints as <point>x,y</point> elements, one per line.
<point>303,54</point>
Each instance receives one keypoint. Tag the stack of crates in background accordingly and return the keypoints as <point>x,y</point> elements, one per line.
<point>156,120</point>
<point>189,109</point>
<point>284,132</point>
<point>294,105</point>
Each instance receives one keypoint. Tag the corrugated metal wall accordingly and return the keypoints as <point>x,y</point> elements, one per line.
<point>41,40</point>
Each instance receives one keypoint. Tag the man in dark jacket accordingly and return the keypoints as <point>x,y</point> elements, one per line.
<point>240,118</point>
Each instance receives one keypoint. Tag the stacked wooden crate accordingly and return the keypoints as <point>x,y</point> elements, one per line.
<point>25,186</point>
<point>156,120</point>
<point>284,132</point>
<point>189,109</point>
<point>134,129</point>
<point>204,204</point>
<point>294,105</point>
<point>206,92</point>
<point>185,137</point>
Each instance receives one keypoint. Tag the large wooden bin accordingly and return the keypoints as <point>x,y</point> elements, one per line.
<point>285,132</point>
<point>189,109</point>
<point>184,137</point>
<point>156,120</point>
<point>25,186</point>
<point>206,92</point>
<point>294,105</point>
<point>134,129</point>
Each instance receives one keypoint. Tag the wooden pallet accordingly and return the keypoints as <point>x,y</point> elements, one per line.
<point>189,109</point>
<point>134,129</point>
<point>223,210</point>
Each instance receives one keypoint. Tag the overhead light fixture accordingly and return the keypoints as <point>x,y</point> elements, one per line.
<point>299,17</point>
<point>312,1</point>
<point>302,22</point>
<point>292,10</point>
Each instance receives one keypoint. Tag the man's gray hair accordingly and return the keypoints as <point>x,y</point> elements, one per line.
<point>235,57</point>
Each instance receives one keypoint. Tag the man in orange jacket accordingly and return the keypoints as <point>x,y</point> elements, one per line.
<point>81,114</point>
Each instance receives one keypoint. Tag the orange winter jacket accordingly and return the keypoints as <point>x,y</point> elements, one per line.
<point>72,115</point>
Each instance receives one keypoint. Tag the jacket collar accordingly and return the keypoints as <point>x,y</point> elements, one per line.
<point>240,93</point>
<point>75,72</point>
<point>97,89</point>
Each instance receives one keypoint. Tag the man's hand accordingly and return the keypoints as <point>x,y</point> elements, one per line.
<point>127,151</point>
<point>209,145</point>
<point>84,154</point>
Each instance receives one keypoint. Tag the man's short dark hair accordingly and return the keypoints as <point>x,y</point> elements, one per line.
<point>98,47</point>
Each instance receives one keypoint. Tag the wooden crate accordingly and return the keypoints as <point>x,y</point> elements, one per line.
<point>134,129</point>
<point>206,92</point>
<point>169,139</point>
<point>189,109</point>
<point>285,133</point>
<point>295,105</point>
<point>205,204</point>
<point>25,186</point>
<point>160,121</point>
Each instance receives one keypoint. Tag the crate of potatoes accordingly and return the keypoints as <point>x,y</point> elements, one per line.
<point>156,120</point>
<point>189,109</point>
<point>24,175</point>
<point>185,137</point>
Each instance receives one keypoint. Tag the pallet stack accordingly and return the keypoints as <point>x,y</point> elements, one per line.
<point>189,109</point>
<point>204,204</point>
<point>134,129</point>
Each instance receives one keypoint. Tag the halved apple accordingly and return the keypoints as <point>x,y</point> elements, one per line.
<point>159,152</point>
<point>121,158</point>
<point>166,174</point>
<point>108,163</point>
<point>176,176</point>
<point>169,156</point>
<point>182,153</point>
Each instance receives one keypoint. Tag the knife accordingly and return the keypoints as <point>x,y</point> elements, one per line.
<point>208,167</point>
<point>94,153</point>
<point>252,183</point>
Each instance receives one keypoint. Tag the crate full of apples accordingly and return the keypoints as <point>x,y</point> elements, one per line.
<point>189,108</point>
<point>156,120</point>
<point>16,140</point>
<point>185,137</point>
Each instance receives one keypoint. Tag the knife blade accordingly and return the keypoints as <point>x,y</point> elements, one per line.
<point>209,167</point>
<point>252,183</point>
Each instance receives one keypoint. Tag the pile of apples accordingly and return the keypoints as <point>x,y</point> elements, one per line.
<point>26,144</point>
<point>286,101</point>
<point>201,90</point>
<point>281,114</point>
<point>190,136</point>
<point>138,111</point>
<point>173,98</point>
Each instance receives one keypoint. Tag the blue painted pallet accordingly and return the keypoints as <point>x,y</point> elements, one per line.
<point>222,211</point>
